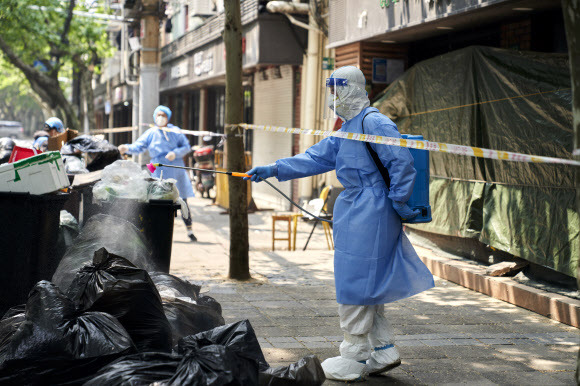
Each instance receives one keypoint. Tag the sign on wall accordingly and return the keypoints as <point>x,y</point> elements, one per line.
<point>327,63</point>
<point>180,70</point>
<point>202,62</point>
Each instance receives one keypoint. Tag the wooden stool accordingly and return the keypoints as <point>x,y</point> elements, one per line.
<point>288,217</point>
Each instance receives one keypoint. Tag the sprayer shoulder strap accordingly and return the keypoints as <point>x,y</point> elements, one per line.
<point>375,156</point>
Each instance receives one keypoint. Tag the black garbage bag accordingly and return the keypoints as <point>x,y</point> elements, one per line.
<point>306,372</point>
<point>6,146</point>
<point>180,288</point>
<point>115,286</point>
<point>230,354</point>
<point>137,369</point>
<point>56,344</point>
<point>118,236</point>
<point>9,324</point>
<point>208,301</point>
<point>214,365</point>
<point>101,152</point>
<point>188,318</point>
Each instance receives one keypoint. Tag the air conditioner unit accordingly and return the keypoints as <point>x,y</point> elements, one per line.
<point>202,7</point>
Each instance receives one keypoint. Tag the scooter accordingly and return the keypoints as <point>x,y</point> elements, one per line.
<point>204,180</point>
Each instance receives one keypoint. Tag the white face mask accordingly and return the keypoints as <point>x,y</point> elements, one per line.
<point>161,121</point>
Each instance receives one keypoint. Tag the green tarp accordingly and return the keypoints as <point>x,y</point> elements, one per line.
<point>503,100</point>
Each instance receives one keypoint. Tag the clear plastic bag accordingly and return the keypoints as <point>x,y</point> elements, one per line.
<point>163,190</point>
<point>74,164</point>
<point>123,179</point>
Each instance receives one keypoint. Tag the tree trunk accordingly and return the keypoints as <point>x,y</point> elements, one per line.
<point>87,96</point>
<point>239,260</point>
<point>571,10</point>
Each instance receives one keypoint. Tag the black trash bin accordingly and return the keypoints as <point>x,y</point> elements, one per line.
<point>154,218</point>
<point>28,243</point>
<point>81,195</point>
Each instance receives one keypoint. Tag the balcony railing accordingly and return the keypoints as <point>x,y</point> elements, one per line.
<point>209,31</point>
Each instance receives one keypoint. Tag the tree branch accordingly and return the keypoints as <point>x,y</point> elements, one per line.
<point>67,23</point>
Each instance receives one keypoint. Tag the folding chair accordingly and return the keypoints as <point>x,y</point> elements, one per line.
<point>320,205</point>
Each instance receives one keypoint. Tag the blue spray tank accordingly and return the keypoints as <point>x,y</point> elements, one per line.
<point>420,196</point>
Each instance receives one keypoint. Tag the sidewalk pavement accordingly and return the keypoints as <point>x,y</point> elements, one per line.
<point>447,335</point>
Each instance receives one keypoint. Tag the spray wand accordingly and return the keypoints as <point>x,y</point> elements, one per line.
<point>152,167</point>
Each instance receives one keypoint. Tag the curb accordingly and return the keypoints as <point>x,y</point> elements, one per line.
<point>554,306</point>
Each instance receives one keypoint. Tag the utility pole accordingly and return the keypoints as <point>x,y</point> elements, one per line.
<point>571,11</point>
<point>238,195</point>
<point>150,63</point>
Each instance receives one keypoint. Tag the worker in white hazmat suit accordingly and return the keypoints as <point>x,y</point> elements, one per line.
<point>374,262</point>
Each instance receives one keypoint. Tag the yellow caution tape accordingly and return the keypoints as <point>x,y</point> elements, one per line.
<point>469,151</point>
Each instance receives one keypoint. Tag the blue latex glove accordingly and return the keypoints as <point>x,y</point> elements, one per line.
<point>404,211</point>
<point>262,172</point>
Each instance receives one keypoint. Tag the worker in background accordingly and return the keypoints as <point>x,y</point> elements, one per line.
<point>52,127</point>
<point>374,262</point>
<point>166,147</point>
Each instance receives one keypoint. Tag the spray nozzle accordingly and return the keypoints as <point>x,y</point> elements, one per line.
<point>152,167</point>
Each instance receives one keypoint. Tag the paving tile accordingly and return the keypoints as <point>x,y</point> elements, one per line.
<point>410,343</point>
<point>315,345</point>
<point>494,341</point>
<point>437,342</point>
<point>312,339</point>
<point>467,351</point>
<point>450,378</point>
<point>288,345</point>
<point>284,355</point>
<point>521,378</point>
<point>466,342</point>
<point>422,352</point>
<point>281,339</point>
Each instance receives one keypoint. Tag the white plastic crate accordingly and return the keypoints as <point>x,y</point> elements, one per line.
<point>43,173</point>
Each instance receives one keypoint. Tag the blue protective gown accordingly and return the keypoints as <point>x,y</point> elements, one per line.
<point>374,262</point>
<point>159,145</point>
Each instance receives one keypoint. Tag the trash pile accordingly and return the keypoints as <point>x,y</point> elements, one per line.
<point>99,152</point>
<point>108,318</point>
<point>126,180</point>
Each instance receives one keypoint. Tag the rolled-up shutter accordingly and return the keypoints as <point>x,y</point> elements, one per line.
<point>273,105</point>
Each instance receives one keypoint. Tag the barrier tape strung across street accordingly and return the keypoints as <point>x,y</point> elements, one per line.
<point>132,128</point>
<point>189,132</point>
<point>114,130</point>
<point>469,151</point>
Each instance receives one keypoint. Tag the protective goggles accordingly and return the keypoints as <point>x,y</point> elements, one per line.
<point>334,90</point>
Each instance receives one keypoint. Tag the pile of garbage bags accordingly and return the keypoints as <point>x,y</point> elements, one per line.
<point>100,153</point>
<point>126,180</point>
<point>108,318</point>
